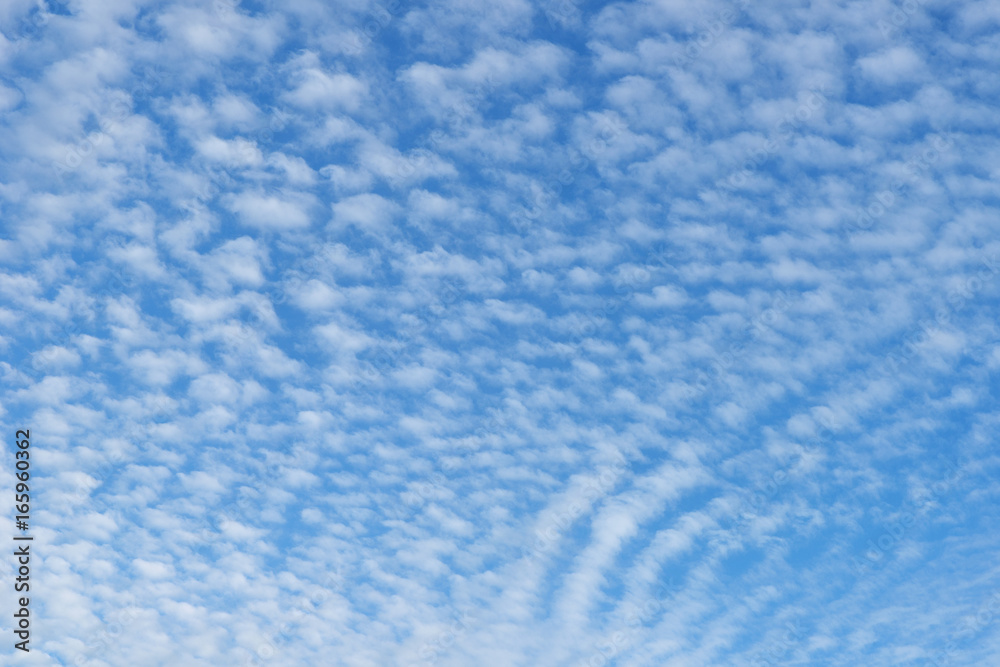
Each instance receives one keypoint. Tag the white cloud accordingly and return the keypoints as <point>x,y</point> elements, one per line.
<point>369,212</point>
<point>588,313</point>
<point>898,64</point>
<point>316,89</point>
<point>663,296</point>
<point>265,211</point>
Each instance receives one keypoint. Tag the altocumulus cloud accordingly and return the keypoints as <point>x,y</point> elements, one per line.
<point>526,334</point>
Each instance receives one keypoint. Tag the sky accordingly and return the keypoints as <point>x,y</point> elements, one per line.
<point>560,334</point>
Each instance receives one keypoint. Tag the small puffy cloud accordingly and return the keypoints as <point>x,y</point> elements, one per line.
<point>270,212</point>
<point>296,170</point>
<point>239,262</point>
<point>150,569</point>
<point>341,338</point>
<point>214,388</point>
<point>663,296</point>
<point>204,309</point>
<point>163,367</point>
<point>424,205</point>
<point>55,357</point>
<point>237,152</point>
<point>316,88</point>
<point>235,110</point>
<point>315,295</point>
<point>140,259</point>
<point>369,212</point>
<point>9,98</point>
<point>898,64</point>
<point>585,277</point>
<point>201,483</point>
<point>312,515</point>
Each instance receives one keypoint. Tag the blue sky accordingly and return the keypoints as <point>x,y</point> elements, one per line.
<point>562,334</point>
